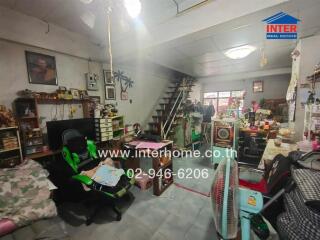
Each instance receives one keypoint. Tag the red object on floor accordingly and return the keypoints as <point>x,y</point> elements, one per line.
<point>192,190</point>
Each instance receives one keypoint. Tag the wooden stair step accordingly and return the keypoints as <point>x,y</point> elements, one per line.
<point>169,98</point>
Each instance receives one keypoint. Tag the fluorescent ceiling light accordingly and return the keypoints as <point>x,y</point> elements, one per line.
<point>240,52</point>
<point>86,1</point>
<point>133,7</point>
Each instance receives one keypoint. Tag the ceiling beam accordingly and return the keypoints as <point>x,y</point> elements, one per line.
<point>245,75</point>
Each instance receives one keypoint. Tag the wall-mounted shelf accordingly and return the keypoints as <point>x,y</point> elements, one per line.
<point>61,101</point>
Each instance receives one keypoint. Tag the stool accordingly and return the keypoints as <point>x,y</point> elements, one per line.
<point>143,181</point>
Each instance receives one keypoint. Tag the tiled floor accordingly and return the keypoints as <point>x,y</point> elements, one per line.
<point>176,214</point>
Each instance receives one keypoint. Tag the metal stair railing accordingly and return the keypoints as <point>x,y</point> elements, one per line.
<point>166,128</point>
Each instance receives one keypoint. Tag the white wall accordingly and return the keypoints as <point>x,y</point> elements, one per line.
<point>149,85</point>
<point>70,70</point>
<point>25,29</point>
<point>19,32</point>
<point>274,87</point>
<point>150,82</point>
<point>309,58</point>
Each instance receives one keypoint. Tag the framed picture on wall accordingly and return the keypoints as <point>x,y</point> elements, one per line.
<point>257,86</point>
<point>110,92</point>
<point>83,94</point>
<point>108,79</point>
<point>75,93</point>
<point>41,68</point>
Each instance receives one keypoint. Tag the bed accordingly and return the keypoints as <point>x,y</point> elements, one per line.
<point>24,196</point>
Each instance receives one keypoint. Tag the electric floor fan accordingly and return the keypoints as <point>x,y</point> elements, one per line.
<point>231,203</point>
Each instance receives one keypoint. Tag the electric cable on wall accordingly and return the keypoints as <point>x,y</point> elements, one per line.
<point>109,10</point>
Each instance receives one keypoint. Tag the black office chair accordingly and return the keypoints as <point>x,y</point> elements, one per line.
<point>81,154</point>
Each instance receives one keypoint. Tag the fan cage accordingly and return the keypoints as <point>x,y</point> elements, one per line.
<point>226,215</point>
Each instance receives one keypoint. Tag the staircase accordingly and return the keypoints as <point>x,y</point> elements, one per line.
<point>169,108</point>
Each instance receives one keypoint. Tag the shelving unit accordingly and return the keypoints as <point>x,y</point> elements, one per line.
<point>160,184</point>
<point>110,128</point>
<point>26,110</point>
<point>117,126</point>
<point>311,124</point>
<point>27,115</point>
<point>10,147</point>
<point>103,129</point>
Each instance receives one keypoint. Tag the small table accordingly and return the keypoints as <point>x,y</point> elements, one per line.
<point>272,150</point>
<point>45,154</point>
<point>145,146</point>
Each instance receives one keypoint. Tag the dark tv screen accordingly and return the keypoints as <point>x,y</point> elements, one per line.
<point>55,129</point>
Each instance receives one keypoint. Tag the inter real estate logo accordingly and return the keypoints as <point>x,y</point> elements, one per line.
<point>281,26</point>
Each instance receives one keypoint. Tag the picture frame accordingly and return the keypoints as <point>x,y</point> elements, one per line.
<point>75,93</point>
<point>108,79</point>
<point>110,92</point>
<point>41,68</point>
<point>124,96</point>
<point>257,86</point>
<point>83,94</point>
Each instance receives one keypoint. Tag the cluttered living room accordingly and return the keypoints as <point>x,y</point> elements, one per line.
<point>159,119</point>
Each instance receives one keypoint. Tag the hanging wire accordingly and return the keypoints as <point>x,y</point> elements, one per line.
<point>109,10</point>
<point>89,66</point>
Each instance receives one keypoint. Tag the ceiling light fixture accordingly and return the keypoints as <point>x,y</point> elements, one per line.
<point>86,1</point>
<point>240,52</point>
<point>133,7</point>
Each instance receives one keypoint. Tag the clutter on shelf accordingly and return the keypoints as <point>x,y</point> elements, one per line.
<point>27,115</point>
<point>10,149</point>
<point>6,117</point>
<point>62,93</point>
<point>105,110</point>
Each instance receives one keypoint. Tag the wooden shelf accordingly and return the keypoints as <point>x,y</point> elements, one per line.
<point>8,150</point>
<point>8,128</point>
<point>115,130</point>
<point>61,101</point>
<point>26,118</point>
<point>13,153</point>
<point>43,154</point>
<point>164,188</point>
<point>165,165</point>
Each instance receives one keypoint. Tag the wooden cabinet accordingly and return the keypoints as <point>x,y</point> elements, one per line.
<point>26,110</point>
<point>163,168</point>
<point>10,147</point>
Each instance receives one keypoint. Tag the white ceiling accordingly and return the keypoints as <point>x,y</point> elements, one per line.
<point>201,53</point>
